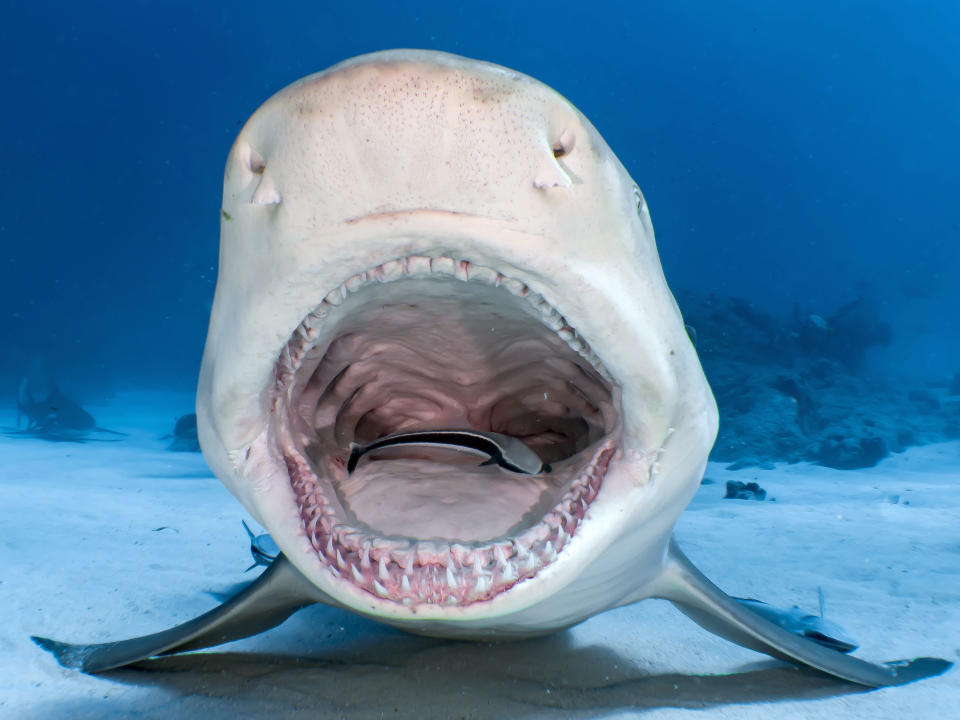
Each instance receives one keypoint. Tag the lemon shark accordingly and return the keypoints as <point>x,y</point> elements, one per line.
<point>413,241</point>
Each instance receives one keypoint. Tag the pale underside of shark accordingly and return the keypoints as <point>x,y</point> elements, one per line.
<point>415,241</point>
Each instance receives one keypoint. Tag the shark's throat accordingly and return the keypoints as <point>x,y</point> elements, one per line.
<point>440,343</point>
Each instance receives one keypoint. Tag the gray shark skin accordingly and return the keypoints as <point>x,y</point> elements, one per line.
<point>410,241</point>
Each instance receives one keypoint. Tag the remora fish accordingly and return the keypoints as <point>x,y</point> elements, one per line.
<point>815,627</point>
<point>263,549</point>
<point>507,452</point>
<point>413,236</point>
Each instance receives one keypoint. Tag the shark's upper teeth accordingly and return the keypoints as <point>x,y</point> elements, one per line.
<point>419,266</point>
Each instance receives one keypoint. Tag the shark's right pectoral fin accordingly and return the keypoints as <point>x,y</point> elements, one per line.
<point>707,605</point>
<point>279,592</point>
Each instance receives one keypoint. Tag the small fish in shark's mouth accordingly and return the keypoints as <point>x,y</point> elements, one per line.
<point>415,242</point>
<point>507,452</point>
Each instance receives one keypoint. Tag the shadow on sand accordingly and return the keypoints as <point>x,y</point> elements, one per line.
<point>426,678</point>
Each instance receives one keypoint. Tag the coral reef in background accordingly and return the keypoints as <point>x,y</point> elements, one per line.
<point>795,390</point>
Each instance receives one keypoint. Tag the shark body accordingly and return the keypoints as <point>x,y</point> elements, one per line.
<point>412,240</point>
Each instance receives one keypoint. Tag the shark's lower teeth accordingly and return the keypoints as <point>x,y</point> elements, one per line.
<point>433,572</point>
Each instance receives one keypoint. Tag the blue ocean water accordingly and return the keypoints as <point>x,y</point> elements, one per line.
<point>792,154</point>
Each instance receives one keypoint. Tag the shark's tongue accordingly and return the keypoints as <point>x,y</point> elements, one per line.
<point>427,498</point>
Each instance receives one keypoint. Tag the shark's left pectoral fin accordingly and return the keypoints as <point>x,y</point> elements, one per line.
<point>279,592</point>
<point>707,605</point>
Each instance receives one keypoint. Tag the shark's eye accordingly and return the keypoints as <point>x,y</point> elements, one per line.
<point>256,162</point>
<point>638,198</point>
<point>564,144</point>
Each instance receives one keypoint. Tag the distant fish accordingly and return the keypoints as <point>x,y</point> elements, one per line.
<point>184,435</point>
<point>54,416</point>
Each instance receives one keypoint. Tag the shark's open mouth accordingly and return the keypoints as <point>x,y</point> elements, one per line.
<point>430,343</point>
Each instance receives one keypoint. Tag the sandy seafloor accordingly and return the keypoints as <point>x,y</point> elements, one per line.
<point>107,540</point>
